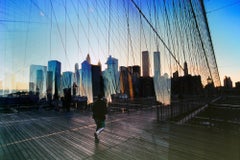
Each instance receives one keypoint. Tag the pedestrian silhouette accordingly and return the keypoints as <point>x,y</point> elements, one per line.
<point>99,110</point>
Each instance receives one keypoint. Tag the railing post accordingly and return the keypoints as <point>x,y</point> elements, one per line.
<point>161,112</point>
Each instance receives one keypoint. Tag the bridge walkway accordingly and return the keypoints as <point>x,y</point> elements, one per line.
<point>135,135</point>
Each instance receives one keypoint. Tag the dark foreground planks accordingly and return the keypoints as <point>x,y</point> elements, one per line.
<point>54,135</point>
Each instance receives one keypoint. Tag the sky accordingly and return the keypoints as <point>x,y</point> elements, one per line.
<point>224,23</point>
<point>35,31</point>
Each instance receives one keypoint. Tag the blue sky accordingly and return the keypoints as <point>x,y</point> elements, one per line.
<point>31,34</point>
<point>224,22</point>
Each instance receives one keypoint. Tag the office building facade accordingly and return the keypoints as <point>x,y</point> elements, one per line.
<point>145,64</point>
<point>97,81</point>
<point>162,83</point>
<point>37,79</point>
<point>86,81</point>
<point>54,66</point>
<point>111,78</point>
<point>67,79</point>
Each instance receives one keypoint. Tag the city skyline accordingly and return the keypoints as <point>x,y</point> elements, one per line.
<point>90,80</point>
<point>35,32</point>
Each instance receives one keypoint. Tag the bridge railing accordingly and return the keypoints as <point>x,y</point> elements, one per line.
<point>180,109</point>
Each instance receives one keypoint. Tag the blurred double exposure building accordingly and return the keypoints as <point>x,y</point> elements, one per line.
<point>162,83</point>
<point>67,79</point>
<point>86,79</point>
<point>37,79</point>
<point>54,79</point>
<point>90,80</point>
<point>111,78</point>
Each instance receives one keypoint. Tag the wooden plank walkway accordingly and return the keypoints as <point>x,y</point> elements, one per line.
<point>136,135</point>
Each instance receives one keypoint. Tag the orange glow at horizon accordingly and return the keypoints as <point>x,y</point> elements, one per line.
<point>14,86</point>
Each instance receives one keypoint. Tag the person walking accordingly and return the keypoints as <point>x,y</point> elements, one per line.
<point>99,110</point>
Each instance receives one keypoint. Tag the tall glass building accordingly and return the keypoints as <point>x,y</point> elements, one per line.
<point>54,66</point>
<point>67,79</point>
<point>77,78</point>
<point>37,81</point>
<point>129,80</point>
<point>49,84</point>
<point>145,64</point>
<point>97,83</point>
<point>111,78</point>
<point>162,83</point>
<point>86,81</point>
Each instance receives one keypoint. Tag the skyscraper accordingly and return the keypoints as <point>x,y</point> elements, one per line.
<point>40,82</point>
<point>55,67</point>
<point>227,82</point>
<point>162,84</point>
<point>77,78</point>
<point>136,80</point>
<point>86,80</point>
<point>145,64</point>
<point>157,63</point>
<point>127,78</point>
<point>111,77</point>
<point>124,85</point>
<point>38,75</point>
<point>97,82</point>
<point>49,85</point>
<point>67,79</point>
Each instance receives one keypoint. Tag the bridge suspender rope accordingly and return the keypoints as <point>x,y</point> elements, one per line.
<point>154,30</point>
<point>201,39</point>
<point>211,43</point>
